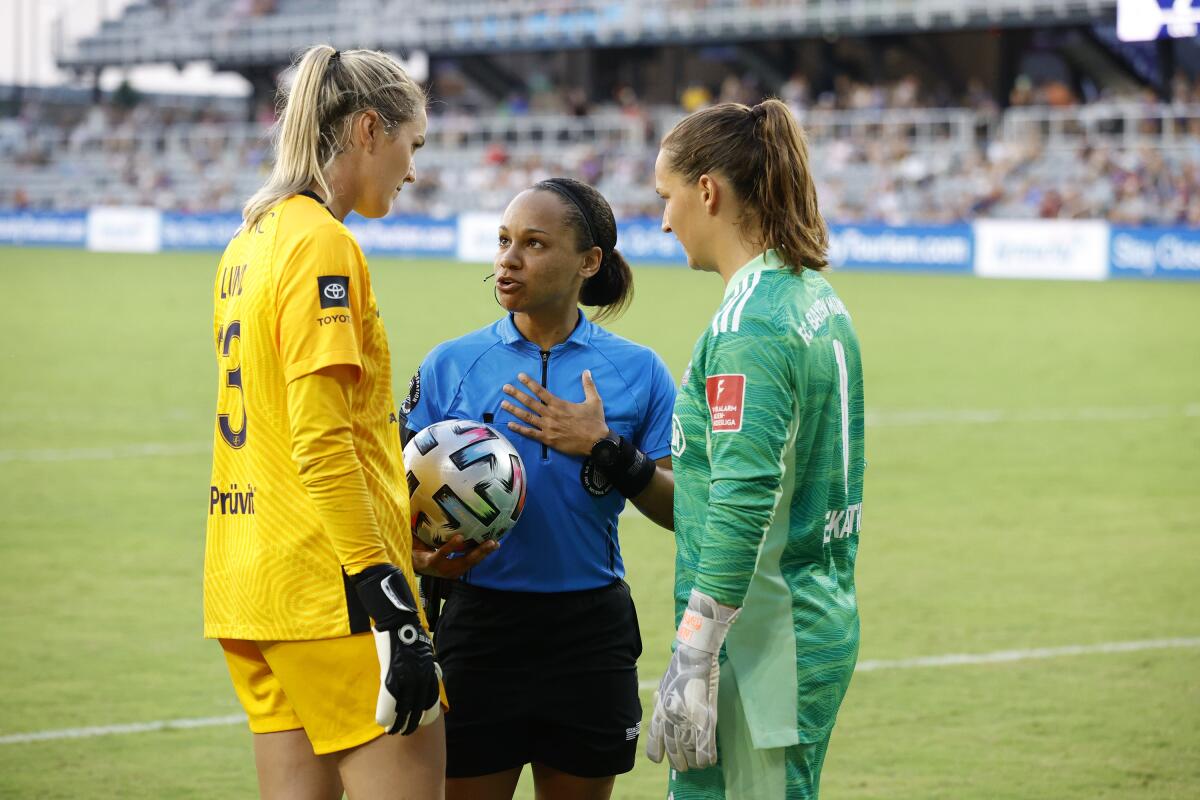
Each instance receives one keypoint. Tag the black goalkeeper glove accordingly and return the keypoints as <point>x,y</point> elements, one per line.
<point>408,675</point>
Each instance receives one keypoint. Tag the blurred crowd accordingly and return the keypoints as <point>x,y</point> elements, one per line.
<point>206,157</point>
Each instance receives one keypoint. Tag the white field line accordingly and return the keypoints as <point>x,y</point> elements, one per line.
<point>144,450</point>
<point>1008,656</point>
<point>895,419</point>
<point>951,660</point>
<point>112,730</point>
<point>874,419</point>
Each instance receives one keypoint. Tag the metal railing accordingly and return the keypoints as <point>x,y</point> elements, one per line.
<point>1117,124</point>
<point>1124,125</point>
<point>481,161</point>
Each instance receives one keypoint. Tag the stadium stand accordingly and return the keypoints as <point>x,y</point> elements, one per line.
<point>1126,162</point>
<point>893,140</point>
<point>270,31</point>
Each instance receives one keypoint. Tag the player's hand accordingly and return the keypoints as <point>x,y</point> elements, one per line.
<point>408,675</point>
<point>440,563</point>
<point>684,724</point>
<point>570,428</point>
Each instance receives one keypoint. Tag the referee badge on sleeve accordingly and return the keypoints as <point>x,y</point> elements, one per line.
<point>594,481</point>
<point>414,394</point>
<point>333,291</point>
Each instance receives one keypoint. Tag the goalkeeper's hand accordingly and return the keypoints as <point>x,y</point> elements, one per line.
<point>408,675</point>
<point>684,725</point>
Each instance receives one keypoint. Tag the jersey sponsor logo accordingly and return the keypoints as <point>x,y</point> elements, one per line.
<point>414,394</point>
<point>678,440</point>
<point>333,290</point>
<point>231,503</point>
<point>332,319</point>
<point>726,401</point>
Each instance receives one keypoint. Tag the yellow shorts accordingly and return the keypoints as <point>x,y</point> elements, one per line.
<point>327,687</point>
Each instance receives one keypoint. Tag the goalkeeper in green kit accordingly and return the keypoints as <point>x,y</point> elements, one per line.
<point>767,448</point>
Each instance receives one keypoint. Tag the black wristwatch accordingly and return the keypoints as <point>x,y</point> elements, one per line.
<point>606,451</point>
<point>627,469</point>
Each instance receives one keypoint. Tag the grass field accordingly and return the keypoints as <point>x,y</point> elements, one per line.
<point>1033,482</point>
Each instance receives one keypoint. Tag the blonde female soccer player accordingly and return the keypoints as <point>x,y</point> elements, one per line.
<point>308,540</point>
<point>768,456</point>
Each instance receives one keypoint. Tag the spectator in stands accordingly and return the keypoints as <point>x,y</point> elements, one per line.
<point>695,97</point>
<point>795,92</point>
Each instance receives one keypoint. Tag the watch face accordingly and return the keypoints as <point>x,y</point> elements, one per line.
<point>604,453</point>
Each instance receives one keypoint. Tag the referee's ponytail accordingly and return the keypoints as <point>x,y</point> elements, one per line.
<point>329,88</point>
<point>591,217</point>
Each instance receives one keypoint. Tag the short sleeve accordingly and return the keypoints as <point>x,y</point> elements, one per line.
<point>322,296</point>
<point>654,436</point>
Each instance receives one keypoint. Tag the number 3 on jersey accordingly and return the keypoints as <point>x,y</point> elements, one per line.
<point>233,379</point>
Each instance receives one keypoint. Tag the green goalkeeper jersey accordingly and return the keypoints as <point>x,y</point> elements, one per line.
<point>767,444</point>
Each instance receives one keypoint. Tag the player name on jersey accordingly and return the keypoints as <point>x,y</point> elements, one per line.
<point>821,309</point>
<point>841,522</point>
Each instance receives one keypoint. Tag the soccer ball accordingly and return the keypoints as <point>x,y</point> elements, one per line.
<point>464,478</point>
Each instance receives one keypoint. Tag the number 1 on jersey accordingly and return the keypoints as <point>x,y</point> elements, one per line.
<point>839,353</point>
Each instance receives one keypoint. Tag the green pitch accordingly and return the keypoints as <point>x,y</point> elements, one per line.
<point>1033,482</point>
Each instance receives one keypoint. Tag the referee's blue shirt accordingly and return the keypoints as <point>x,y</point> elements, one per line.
<point>566,539</point>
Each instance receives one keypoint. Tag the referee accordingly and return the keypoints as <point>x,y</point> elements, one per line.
<point>539,642</point>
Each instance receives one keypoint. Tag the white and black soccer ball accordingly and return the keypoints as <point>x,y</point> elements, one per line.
<point>464,477</point>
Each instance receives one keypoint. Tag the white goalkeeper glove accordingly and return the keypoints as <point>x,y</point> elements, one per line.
<point>684,725</point>
<point>408,675</point>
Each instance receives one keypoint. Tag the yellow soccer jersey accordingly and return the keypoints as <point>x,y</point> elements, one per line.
<point>292,296</point>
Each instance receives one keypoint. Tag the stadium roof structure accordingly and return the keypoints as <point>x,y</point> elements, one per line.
<point>242,35</point>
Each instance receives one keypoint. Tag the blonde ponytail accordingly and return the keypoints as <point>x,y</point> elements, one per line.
<point>329,88</point>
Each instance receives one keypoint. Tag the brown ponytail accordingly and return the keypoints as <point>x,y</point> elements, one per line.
<point>611,287</point>
<point>763,153</point>
<point>591,217</point>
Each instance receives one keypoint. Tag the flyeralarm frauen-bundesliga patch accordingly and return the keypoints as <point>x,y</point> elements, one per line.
<point>726,398</point>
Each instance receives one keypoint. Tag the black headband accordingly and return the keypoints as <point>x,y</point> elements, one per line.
<point>566,191</point>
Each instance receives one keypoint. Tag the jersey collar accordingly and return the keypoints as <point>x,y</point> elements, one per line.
<point>311,195</point>
<point>582,335</point>
<point>768,259</point>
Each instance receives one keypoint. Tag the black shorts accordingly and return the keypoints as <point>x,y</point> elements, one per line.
<point>540,678</point>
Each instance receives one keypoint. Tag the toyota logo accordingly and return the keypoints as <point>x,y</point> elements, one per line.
<point>335,291</point>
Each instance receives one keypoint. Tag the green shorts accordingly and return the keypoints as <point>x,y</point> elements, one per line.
<point>745,773</point>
